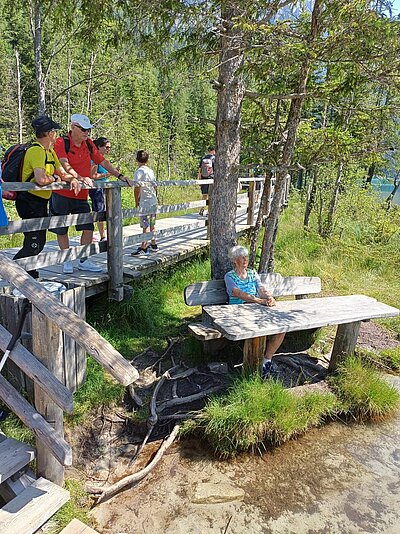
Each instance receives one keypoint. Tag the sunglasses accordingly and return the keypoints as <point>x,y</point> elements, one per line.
<point>82,129</point>
<point>107,147</point>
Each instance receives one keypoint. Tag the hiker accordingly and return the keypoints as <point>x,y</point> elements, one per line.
<point>99,174</point>
<point>145,199</point>
<point>244,285</point>
<point>76,151</point>
<point>206,171</point>
<point>41,166</point>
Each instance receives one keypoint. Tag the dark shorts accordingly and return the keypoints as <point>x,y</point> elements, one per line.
<point>97,198</point>
<point>60,205</point>
<point>204,188</point>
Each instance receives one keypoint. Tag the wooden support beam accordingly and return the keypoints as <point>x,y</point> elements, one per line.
<point>33,420</point>
<point>69,322</point>
<point>115,247</point>
<point>345,343</point>
<point>48,347</point>
<point>37,372</point>
<point>253,351</point>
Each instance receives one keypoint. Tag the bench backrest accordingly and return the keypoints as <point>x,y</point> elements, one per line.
<point>214,292</point>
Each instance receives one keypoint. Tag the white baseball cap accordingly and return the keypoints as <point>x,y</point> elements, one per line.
<point>82,120</point>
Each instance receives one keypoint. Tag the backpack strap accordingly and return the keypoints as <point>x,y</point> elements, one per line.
<point>67,144</point>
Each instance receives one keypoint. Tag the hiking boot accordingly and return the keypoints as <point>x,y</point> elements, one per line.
<point>68,267</point>
<point>154,247</point>
<point>88,265</point>
<point>140,252</point>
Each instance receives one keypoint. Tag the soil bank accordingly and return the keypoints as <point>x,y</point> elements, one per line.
<point>335,479</point>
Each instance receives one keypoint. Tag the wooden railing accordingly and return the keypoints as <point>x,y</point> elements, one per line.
<point>44,366</point>
<point>114,217</point>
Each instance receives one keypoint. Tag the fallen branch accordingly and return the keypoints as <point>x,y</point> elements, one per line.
<point>190,398</point>
<point>136,477</point>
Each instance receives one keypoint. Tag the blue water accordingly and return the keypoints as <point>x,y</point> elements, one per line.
<point>384,190</point>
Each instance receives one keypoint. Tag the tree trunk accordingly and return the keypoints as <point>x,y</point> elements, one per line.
<point>262,212</point>
<point>334,200</point>
<point>311,197</point>
<point>19,95</point>
<point>230,97</point>
<point>288,148</point>
<point>36,29</point>
<point>90,84</point>
<point>70,61</point>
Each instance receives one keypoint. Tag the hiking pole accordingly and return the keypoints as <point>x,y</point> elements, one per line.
<point>26,307</point>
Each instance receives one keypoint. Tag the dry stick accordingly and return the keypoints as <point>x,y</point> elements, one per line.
<point>190,398</point>
<point>137,477</point>
<point>171,343</point>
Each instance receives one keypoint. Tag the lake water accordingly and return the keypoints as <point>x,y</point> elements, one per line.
<point>385,189</point>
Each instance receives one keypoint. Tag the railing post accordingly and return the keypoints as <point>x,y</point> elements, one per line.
<point>114,244</point>
<point>250,208</point>
<point>48,348</point>
<point>209,208</point>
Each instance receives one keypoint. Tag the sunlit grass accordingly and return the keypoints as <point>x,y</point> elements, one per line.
<point>256,413</point>
<point>363,393</point>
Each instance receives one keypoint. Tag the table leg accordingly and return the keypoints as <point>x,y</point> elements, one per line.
<point>345,343</point>
<point>253,352</point>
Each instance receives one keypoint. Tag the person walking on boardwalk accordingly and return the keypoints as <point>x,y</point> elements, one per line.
<point>99,174</point>
<point>76,151</point>
<point>146,200</point>
<point>41,166</point>
<point>206,171</point>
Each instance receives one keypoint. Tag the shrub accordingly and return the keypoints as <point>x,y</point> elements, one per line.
<point>364,394</point>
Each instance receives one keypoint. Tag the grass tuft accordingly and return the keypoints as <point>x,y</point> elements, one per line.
<point>255,413</point>
<point>363,393</point>
<point>77,507</point>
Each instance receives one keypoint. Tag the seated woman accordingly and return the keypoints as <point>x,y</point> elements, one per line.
<point>244,285</point>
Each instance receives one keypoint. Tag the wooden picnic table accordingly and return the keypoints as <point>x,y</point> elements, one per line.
<point>253,322</point>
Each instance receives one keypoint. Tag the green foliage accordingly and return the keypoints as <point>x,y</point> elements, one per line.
<point>363,393</point>
<point>256,412</point>
<point>98,389</point>
<point>13,428</point>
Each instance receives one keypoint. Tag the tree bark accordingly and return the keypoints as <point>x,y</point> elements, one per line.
<point>311,197</point>
<point>334,200</point>
<point>19,95</point>
<point>36,29</point>
<point>230,97</point>
<point>288,148</point>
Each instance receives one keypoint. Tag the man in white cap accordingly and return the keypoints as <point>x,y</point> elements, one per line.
<point>76,152</point>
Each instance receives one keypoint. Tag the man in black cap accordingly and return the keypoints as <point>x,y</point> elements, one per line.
<point>40,166</point>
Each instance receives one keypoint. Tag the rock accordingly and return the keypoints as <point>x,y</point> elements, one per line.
<point>216,492</point>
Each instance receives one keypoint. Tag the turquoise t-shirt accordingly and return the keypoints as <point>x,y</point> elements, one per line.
<point>249,285</point>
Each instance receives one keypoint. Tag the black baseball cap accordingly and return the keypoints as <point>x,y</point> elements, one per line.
<point>44,124</point>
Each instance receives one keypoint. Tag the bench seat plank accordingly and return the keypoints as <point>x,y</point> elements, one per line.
<point>203,332</point>
<point>238,321</point>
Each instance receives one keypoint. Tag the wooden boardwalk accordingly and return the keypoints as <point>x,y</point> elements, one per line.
<point>172,250</point>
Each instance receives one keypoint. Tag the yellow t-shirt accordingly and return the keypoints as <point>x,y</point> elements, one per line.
<point>37,157</point>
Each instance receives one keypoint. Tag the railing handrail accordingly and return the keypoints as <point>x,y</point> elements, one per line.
<point>28,186</point>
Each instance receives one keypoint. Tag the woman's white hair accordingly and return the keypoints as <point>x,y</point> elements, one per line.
<point>238,252</point>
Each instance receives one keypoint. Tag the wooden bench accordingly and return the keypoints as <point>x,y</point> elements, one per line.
<point>213,292</point>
